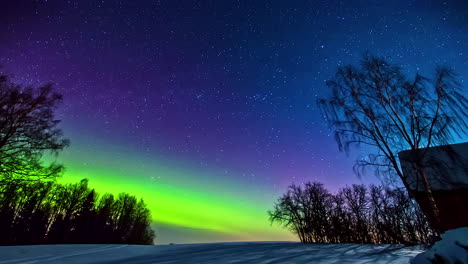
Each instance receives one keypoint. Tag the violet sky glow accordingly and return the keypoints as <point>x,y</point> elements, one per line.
<point>213,98</point>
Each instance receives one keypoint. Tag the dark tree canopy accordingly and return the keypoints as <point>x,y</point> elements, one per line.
<point>28,129</point>
<point>377,105</point>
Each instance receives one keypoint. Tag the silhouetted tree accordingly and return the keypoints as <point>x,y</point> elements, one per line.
<point>104,219</point>
<point>141,232</point>
<point>28,129</point>
<point>340,229</point>
<point>9,199</point>
<point>377,105</point>
<point>85,218</point>
<point>289,212</point>
<point>357,203</point>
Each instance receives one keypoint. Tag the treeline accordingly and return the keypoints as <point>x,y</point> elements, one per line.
<point>34,209</point>
<point>40,212</point>
<point>356,214</point>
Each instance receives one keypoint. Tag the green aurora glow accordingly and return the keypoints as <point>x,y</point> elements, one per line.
<point>203,202</point>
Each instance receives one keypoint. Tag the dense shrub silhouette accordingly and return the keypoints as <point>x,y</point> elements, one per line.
<point>50,213</point>
<point>355,214</point>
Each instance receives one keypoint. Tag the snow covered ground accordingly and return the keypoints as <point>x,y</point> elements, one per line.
<point>239,252</point>
<point>453,248</point>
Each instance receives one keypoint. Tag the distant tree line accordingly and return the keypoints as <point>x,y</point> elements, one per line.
<point>50,213</point>
<point>355,214</point>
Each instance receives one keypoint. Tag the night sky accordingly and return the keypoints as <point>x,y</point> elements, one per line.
<point>206,109</point>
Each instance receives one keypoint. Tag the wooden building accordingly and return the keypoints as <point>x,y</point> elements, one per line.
<point>447,170</point>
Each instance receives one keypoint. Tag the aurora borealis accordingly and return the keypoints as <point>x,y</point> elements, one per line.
<point>206,109</point>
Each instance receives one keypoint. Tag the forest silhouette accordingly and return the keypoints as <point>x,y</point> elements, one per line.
<point>355,214</point>
<point>34,208</point>
<point>51,213</point>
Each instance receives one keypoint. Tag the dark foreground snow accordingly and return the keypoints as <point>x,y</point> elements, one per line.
<point>245,252</point>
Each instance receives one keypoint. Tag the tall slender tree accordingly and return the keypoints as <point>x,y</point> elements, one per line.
<point>377,105</point>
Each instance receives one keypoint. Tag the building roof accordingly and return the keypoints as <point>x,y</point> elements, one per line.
<point>446,166</point>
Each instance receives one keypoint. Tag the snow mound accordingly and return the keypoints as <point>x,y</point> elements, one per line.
<point>452,249</point>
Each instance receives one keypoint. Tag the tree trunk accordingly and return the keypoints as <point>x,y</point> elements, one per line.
<point>434,213</point>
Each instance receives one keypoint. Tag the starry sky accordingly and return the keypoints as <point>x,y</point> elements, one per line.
<point>206,109</point>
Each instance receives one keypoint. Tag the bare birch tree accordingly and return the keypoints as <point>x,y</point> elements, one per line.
<point>378,106</point>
